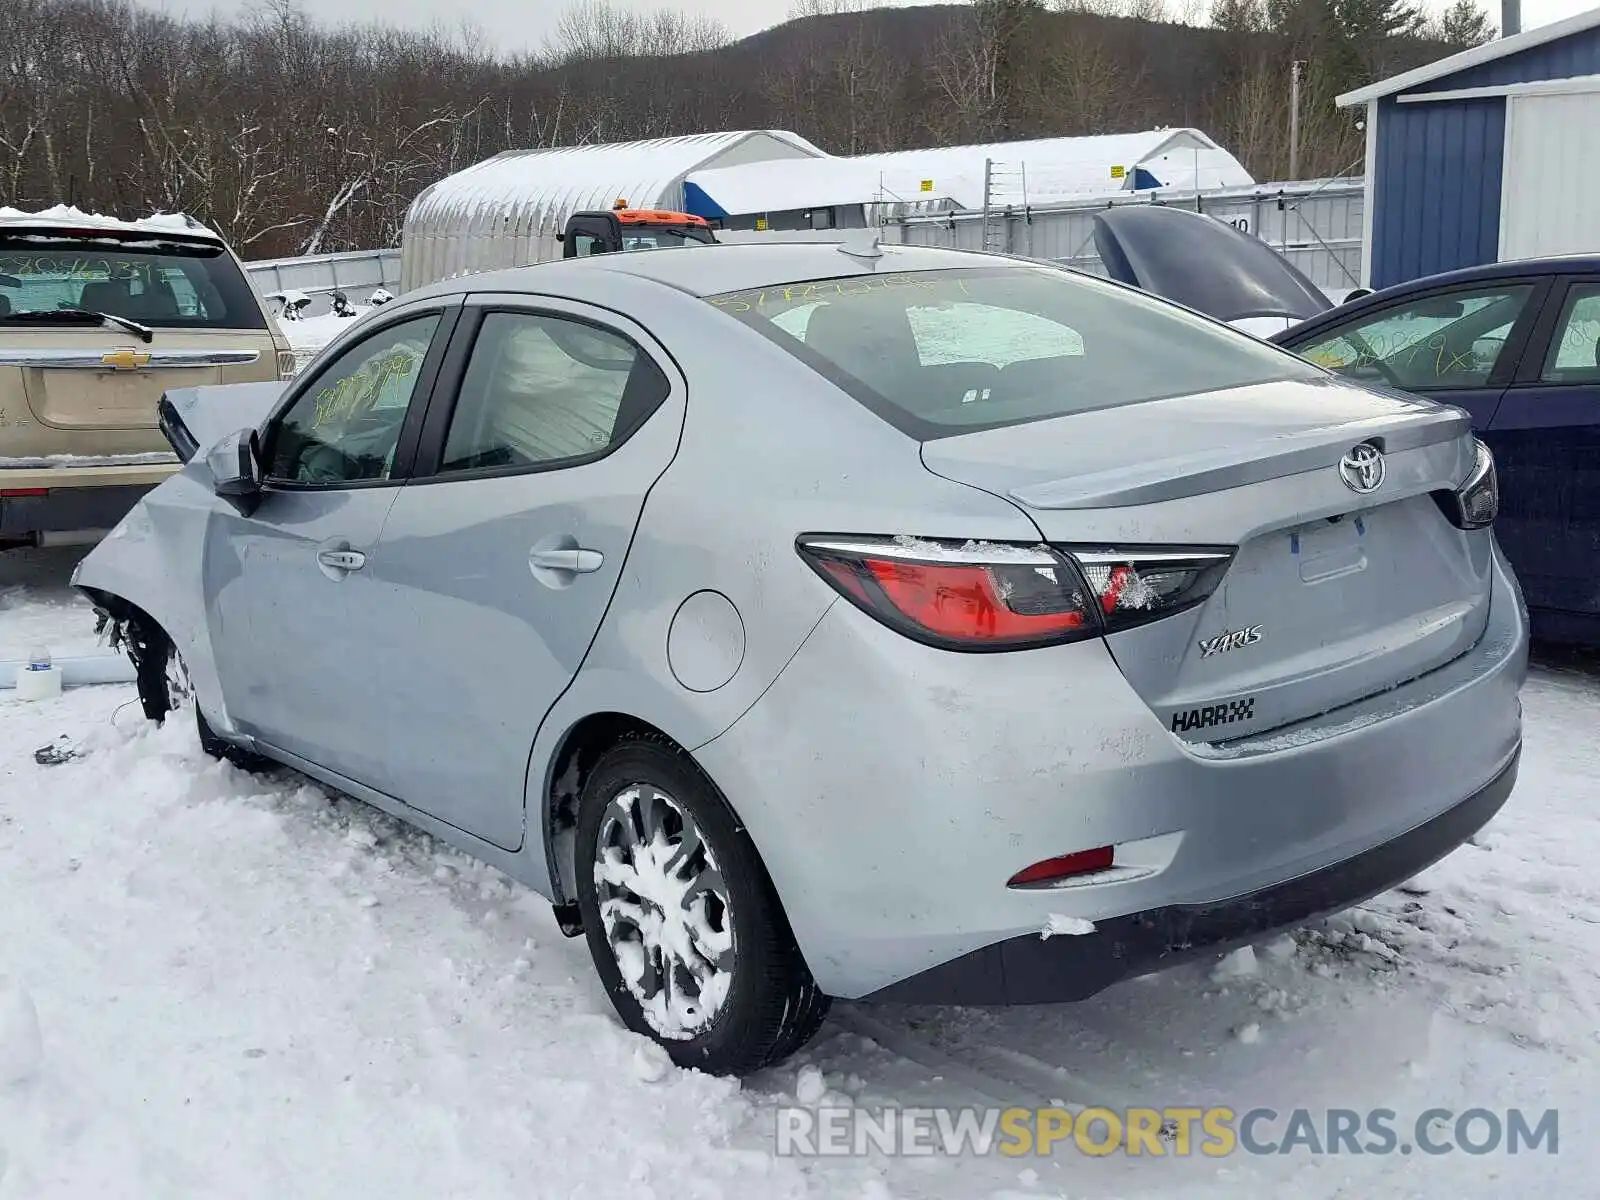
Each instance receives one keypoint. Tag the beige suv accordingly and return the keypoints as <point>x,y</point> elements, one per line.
<point>97,319</point>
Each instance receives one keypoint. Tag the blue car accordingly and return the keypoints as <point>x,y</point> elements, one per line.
<point>1514,344</point>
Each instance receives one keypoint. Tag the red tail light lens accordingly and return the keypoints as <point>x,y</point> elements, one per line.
<point>1137,586</point>
<point>959,596</point>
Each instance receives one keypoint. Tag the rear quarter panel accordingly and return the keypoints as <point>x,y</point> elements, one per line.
<point>769,451</point>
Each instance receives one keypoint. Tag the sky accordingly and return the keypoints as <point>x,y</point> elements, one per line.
<point>523,24</point>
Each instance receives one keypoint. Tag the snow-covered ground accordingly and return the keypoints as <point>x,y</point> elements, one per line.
<point>218,985</point>
<point>310,334</point>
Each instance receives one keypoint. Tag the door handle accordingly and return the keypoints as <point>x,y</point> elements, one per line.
<point>342,560</point>
<point>576,560</point>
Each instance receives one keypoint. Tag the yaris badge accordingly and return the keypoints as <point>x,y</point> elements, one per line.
<point>1362,468</point>
<point>1231,640</point>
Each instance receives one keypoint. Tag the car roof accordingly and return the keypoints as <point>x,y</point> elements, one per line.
<point>1565,264</point>
<point>72,222</point>
<point>714,269</point>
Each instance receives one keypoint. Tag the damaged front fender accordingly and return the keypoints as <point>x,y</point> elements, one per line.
<point>149,569</point>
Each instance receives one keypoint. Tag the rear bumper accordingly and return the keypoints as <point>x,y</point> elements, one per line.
<point>893,789</point>
<point>63,499</point>
<point>1032,969</point>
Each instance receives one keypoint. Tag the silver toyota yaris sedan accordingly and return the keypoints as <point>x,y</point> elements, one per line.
<point>815,621</point>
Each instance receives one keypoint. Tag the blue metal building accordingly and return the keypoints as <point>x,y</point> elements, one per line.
<point>1490,154</point>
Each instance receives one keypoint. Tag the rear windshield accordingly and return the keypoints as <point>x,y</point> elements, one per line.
<point>938,353</point>
<point>157,283</point>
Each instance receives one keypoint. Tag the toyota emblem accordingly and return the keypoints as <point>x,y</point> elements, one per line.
<point>1362,468</point>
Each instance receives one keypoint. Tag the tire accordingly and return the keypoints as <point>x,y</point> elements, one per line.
<point>750,1000</point>
<point>165,690</point>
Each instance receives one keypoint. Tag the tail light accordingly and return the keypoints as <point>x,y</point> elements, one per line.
<point>1476,503</point>
<point>961,596</point>
<point>1004,596</point>
<point>1137,586</point>
<point>287,365</point>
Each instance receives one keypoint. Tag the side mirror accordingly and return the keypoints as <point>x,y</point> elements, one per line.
<point>235,466</point>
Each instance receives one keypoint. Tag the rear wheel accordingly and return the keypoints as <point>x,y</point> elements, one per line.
<point>684,926</point>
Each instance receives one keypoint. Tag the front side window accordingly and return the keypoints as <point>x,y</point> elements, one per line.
<point>938,353</point>
<point>1574,355</point>
<point>345,426</point>
<point>541,390</point>
<point>1443,341</point>
<point>166,284</point>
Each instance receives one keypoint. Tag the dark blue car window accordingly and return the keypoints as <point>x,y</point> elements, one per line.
<point>1574,355</point>
<point>1433,341</point>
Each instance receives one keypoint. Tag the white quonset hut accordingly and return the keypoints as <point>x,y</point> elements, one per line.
<point>843,192</point>
<point>507,210</point>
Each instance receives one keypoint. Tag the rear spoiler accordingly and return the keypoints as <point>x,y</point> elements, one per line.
<point>195,419</point>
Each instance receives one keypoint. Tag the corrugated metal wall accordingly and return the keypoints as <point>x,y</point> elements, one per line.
<point>1315,224</point>
<point>1436,203</point>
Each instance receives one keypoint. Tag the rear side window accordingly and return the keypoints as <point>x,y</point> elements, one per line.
<point>542,390</point>
<point>154,282</point>
<point>1575,350</point>
<point>938,353</point>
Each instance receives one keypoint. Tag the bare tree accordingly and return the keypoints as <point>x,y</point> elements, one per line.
<point>289,135</point>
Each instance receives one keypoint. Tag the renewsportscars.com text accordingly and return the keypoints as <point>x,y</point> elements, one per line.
<point>1215,1132</point>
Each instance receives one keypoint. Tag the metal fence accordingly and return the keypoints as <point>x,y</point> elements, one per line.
<point>1315,224</point>
<point>356,274</point>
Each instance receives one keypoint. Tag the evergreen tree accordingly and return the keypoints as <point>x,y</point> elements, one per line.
<point>1465,24</point>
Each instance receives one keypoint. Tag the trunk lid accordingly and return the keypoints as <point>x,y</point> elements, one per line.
<point>1203,263</point>
<point>105,380</point>
<point>1332,594</point>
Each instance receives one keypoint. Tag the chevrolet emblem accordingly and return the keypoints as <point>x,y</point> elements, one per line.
<point>125,360</point>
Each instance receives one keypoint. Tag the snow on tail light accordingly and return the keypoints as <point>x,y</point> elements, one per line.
<point>1065,866</point>
<point>959,595</point>
<point>1136,586</point>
